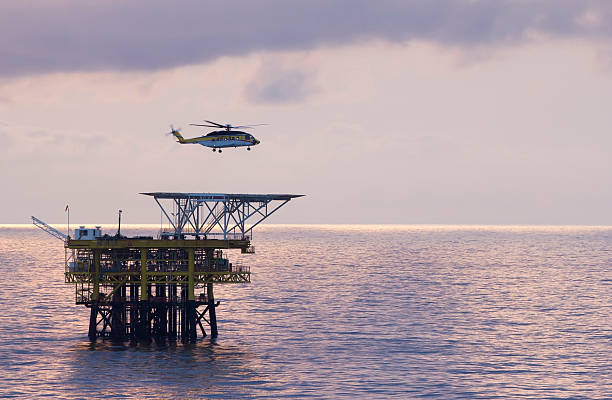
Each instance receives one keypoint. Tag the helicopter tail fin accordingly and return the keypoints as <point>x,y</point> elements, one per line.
<point>177,134</point>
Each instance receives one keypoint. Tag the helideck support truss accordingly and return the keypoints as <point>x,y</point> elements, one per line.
<point>224,215</point>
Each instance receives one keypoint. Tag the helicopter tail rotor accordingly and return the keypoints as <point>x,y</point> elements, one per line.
<point>176,133</point>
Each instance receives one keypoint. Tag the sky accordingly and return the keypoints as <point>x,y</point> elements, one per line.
<point>411,112</point>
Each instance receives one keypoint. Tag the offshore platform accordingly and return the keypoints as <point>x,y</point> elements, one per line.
<point>143,288</point>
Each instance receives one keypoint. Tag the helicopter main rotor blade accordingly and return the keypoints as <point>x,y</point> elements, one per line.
<point>214,123</point>
<point>226,126</point>
<point>209,126</point>
<point>248,126</point>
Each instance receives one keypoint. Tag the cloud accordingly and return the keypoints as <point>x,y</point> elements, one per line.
<point>46,144</point>
<point>276,84</point>
<point>76,35</point>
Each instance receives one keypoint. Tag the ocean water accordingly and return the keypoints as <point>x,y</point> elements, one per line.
<point>339,312</point>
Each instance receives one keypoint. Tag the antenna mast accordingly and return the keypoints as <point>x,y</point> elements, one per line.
<point>119,228</point>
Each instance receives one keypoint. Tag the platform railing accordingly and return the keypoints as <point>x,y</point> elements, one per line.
<point>209,235</point>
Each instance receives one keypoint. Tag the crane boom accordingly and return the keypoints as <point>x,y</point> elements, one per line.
<point>49,229</point>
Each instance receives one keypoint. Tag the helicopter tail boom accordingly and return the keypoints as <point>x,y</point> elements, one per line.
<point>178,135</point>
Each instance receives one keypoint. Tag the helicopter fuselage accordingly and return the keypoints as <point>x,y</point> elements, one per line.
<point>222,139</point>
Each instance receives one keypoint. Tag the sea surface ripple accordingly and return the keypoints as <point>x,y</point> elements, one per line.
<point>339,311</point>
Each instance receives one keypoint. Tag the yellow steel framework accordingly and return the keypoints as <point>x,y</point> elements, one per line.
<point>108,264</point>
<point>143,287</point>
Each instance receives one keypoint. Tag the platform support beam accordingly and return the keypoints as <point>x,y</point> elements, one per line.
<point>96,277</point>
<point>190,312</point>
<point>211,311</point>
<point>172,312</point>
<point>143,329</point>
<point>143,274</point>
<point>191,275</point>
<point>93,316</point>
<point>117,319</point>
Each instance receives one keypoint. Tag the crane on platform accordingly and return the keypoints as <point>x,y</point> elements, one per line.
<point>49,229</point>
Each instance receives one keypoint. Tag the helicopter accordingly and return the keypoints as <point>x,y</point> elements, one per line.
<point>220,139</point>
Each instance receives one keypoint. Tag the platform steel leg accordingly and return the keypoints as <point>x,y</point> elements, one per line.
<point>211,311</point>
<point>172,320</point>
<point>117,320</point>
<point>133,311</point>
<point>190,305</point>
<point>93,317</point>
<point>192,334</point>
<point>183,314</point>
<point>143,331</point>
<point>160,320</point>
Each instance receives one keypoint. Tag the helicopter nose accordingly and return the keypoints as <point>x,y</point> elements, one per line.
<point>256,141</point>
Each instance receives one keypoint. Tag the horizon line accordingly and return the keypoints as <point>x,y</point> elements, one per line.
<point>150,225</point>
